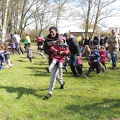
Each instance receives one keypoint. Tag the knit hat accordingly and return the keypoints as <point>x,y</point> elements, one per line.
<point>53,28</point>
<point>62,37</point>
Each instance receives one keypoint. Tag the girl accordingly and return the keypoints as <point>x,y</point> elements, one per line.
<point>13,47</point>
<point>59,50</point>
<point>102,52</point>
<point>30,55</point>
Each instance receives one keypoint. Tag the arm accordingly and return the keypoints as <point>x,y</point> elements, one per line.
<point>53,49</point>
<point>46,48</point>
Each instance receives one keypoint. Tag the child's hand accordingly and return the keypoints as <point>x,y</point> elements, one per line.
<point>55,50</point>
<point>61,52</point>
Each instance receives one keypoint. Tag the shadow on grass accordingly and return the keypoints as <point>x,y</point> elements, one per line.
<point>39,71</point>
<point>107,108</point>
<point>21,91</point>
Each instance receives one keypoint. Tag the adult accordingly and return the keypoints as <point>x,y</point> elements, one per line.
<point>17,39</point>
<point>96,40</point>
<point>49,41</point>
<point>113,44</point>
<point>86,41</point>
<point>74,55</point>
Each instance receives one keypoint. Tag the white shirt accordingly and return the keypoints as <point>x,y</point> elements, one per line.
<point>17,38</point>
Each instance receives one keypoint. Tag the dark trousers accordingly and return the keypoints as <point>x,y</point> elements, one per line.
<point>103,63</point>
<point>93,66</point>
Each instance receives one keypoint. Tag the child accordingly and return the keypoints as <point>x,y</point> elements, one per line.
<point>7,58</point>
<point>2,59</point>
<point>79,62</point>
<point>29,53</point>
<point>94,61</point>
<point>6,54</point>
<point>102,52</point>
<point>40,44</point>
<point>13,47</point>
<point>59,51</point>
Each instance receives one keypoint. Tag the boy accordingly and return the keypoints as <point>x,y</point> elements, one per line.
<point>94,61</point>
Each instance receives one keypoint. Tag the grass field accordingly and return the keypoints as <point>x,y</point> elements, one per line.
<point>23,87</point>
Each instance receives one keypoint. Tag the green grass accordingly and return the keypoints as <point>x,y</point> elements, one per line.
<point>23,87</point>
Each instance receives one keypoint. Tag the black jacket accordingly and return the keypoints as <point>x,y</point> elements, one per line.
<point>73,46</point>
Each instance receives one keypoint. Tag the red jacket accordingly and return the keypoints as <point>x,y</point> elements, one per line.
<point>39,39</point>
<point>102,56</point>
<point>56,55</point>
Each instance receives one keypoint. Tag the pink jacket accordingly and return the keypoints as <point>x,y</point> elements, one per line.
<point>56,55</point>
<point>102,56</point>
<point>79,61</point>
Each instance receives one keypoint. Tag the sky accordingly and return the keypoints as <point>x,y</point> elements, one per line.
<point>74,25</point>
<point>67,26</point>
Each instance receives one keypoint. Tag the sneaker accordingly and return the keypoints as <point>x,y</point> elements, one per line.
<point>48,96</point>
<point>114,68</point>
<point>75,75</point>
<point>62,86</point>
<point>86,76</point>
<point>103,69</point>
<point>47,69</point>
<point>81,73</point>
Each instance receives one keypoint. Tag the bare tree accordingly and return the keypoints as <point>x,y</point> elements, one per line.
<point>96,10</point>
<point>4,28</point>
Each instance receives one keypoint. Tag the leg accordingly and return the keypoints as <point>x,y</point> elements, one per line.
<point>30,59</point>
<point>54,74</point>
<point>114,60</point>
<point>21,48</point>
<point>60,70</point>
<point>90,69</point>
<point>98,67</point>
<point>53,63</point>
<point>41,54</point>
<point>9,62</point>
<point>72,66</point>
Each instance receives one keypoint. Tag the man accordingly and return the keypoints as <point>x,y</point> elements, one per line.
<point>113,44</point>
<point>75,54</point>
<point>16,38</point>
<point>49,41</point>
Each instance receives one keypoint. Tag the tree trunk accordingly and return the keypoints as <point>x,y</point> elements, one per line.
<point>5,21</point>
<point>87,19</point>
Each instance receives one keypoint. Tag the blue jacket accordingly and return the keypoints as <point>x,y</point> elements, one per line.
<point>95,56</point>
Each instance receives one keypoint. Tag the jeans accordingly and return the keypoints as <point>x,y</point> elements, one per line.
<point>54,77</point>
<point>73,65</point>
<point>114,59</point>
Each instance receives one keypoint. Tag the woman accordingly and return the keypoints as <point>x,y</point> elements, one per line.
<point>49,41</point>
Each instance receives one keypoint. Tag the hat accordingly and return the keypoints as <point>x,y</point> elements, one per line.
<point>53,28</point>
<point>62,37</point>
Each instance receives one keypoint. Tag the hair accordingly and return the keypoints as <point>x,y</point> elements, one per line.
<point>102,47</point>
<point>66,34</point>
<point>93,47</point>
<point>53,28</point>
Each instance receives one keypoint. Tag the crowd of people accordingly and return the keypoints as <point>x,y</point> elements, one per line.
<point>63,50</point>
